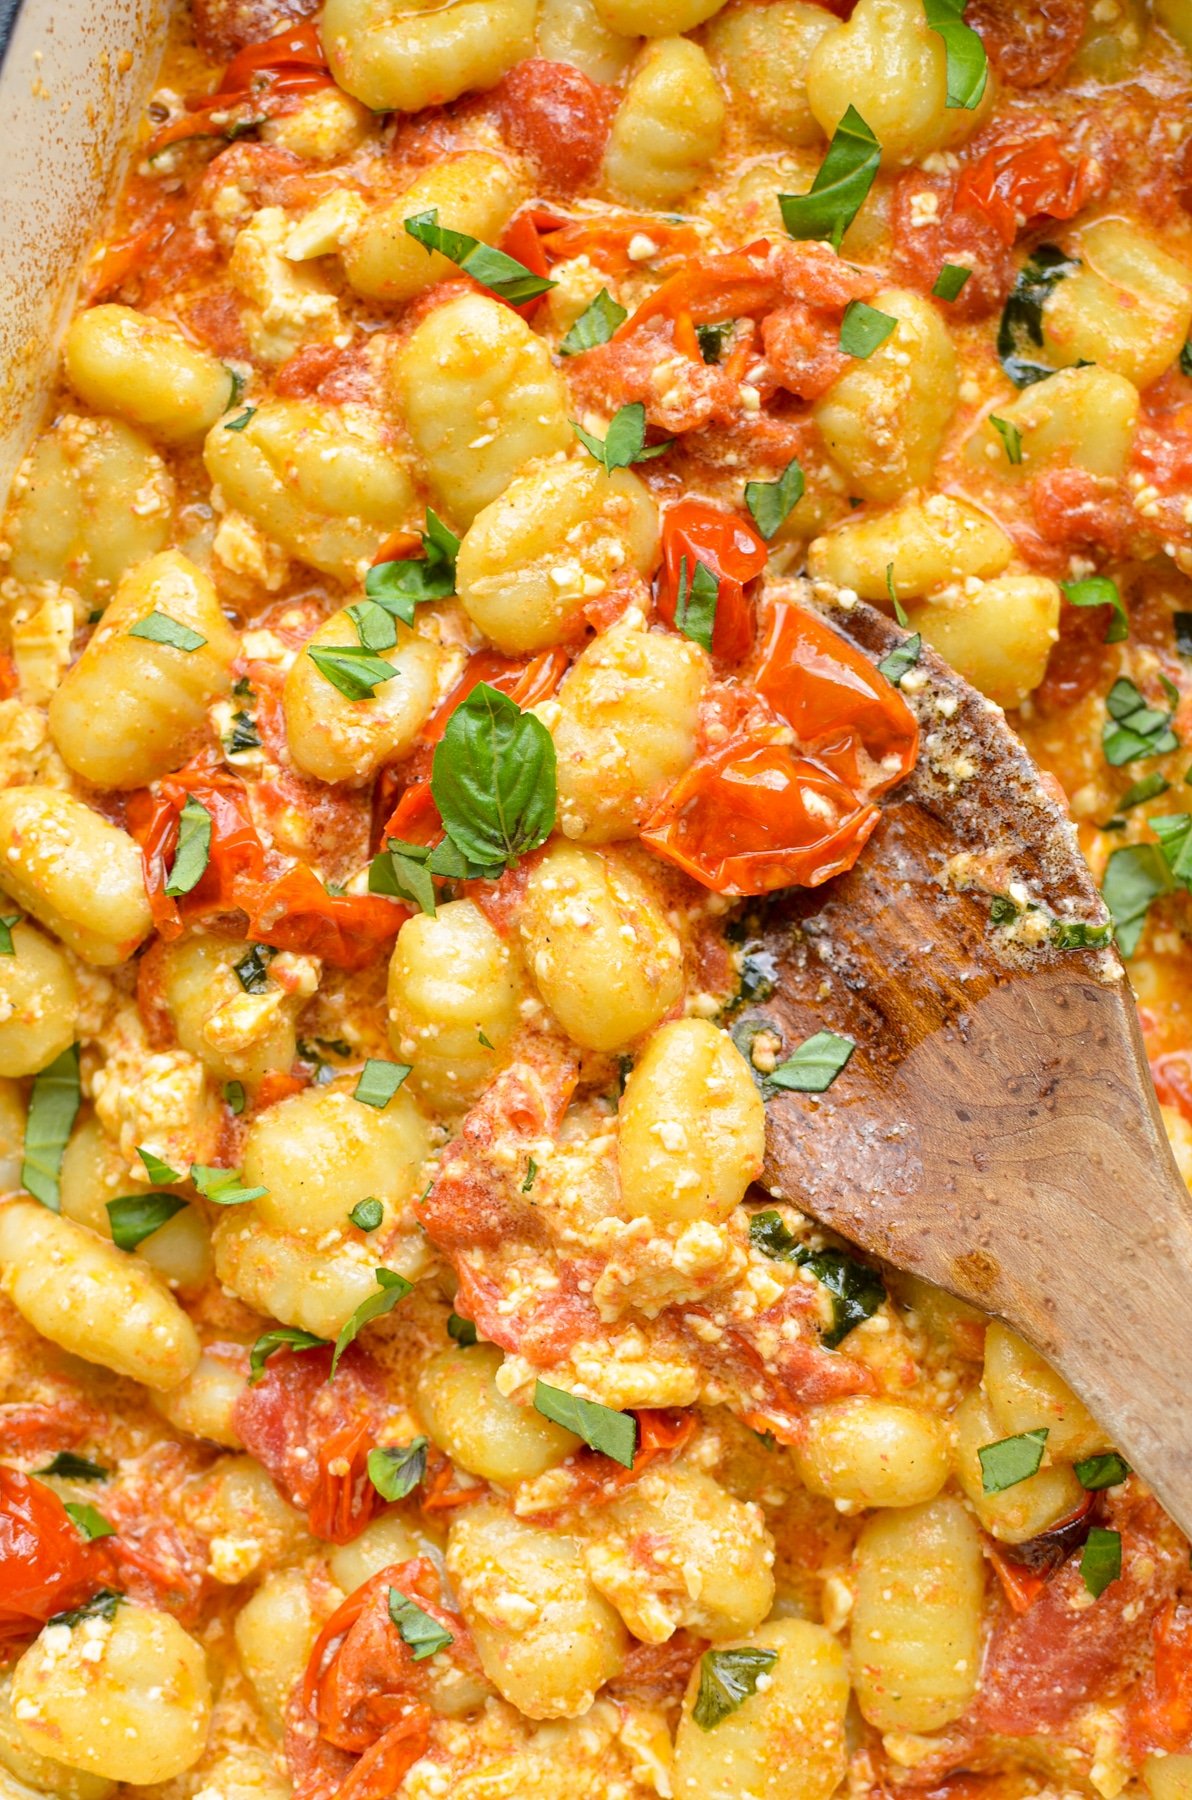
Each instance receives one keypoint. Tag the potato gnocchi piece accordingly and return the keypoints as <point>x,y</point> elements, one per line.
<point>91,500</point>
<point>1127,310</point>
<point>655,18</point>
<point>1019,1512</point>
<point>427,53</point>
<point>315,1284</point>
<point>453,983</point>
<point>93,1300</point>
<point>546,1639</point>
<point>39,1003</point>
<point>320,1152</point>
<point>763,53</point>
<point>873,1452</point>
<point>599,946</point>
<point>923,542</point>
<point>787,1741</point>
<point>336,738</point>
<point>34,1774</point>
<point>1025,1393</point>
<point>572,31</point>
<point>203,1405</point>
<point>467,1415</point>
<point>481,399</point>
<point>76,873</point>
<point>692,1127</point>
<point>1084,418</point>
<point>93,1172</point>
<point>624,729</point>
<point>888,63</point>
<point>476,193</point>
<point>275,1631</point>
<point>124,362</point>
<point>237,1036</point>
<point>319,480</point>
<point>668,127</point>
<point>999,637</point>
<point>548,546</point>
<point>128,710</point>
<point>125,1698</point>
<point>884,419</point>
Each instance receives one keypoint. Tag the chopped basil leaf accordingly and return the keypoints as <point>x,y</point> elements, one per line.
<point>844,179</point>
<point>1174,832</point>
<point>712,339</point>
<point>857,1290</point>
<point>863,329</point>
<point>238,424</point>
<point>155,1168</point>
<point>102,1605</point>
<point>135,1217</point>
<point>500,274</point>
<point>1079,934</point>
<point>595,325</point>
<point>484,1042</point>
<point>1011,437</point>
<point>1011,1460</point>
<point>614,1433</point>
<point>1133,878</point>
<point>772,502</point>
<point>194,848</point>
<point>400,871</point>
<point>252,971</point>
<point>375,625</point>
<point>70,1467</point>
<point>223,1187</point>
<point>379,1081</point>
<point>1134,728</point>
<point>281,1337</point>
<point>1181,623</point>
<point>90,1521</point>
<point>769,1234</point>
<point>6,925</point>
<point>726,1679</point>
<point>967,67</point>
<point>53,1106</point>
<point>158,628</point>
<point>400,586</point>
<point>243,735</point>
<point>1101,1560</point>
<point>423,1635</point>
<point>815,1064</point>
<point>1099,590</point>
<point>902,659</point>
<point>950,280</point>
<point>238,386</point>
<point>1148,788</point>
<point>461,1330</point>
<point>366,1215</point>
<point>396,1470</point>
<point>235,1096</point>
<point>895,602</point>
<point>355,671</point>
<point>626,440</point>
<point>391,1287</point>
<point>1002,910</point>
<point>695,603</point>
<point>1022,317</point>
<point>1186,359</point>
<point>531,1172</point>
<point>493,780</point>
<point>1097,1472</point>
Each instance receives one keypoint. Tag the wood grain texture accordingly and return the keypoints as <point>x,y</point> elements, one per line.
<point>996,1130</point>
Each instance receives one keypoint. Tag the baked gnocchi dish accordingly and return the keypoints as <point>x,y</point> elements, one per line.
<point>419,665</point>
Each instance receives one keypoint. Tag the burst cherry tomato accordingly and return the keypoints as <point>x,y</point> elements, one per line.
<point>754,816</point>
<point>46,1567</point>
<point>844,712</point>
<point>695,532</point>
<point>1016,182</point>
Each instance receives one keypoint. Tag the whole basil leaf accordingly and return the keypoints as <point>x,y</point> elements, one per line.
<point>493,780</point>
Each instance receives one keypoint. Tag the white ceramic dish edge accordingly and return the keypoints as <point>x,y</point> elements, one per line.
<point>73,76</point>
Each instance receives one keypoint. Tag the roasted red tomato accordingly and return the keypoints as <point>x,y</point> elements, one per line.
<point>1016,182</point>
<point>236,856</point>
<point>46,1566</point>
<point>695,532</point>
<point>844,713</point>
<point>754,816</point>
<point>347,930</point>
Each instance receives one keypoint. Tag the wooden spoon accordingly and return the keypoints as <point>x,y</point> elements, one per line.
<point>996,1129</point>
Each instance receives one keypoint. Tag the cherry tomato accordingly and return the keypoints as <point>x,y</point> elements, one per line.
<point>347,930</point>
<point>236,861</point>
<point>558,119</point>
<point>754,816</point>
<point>46,1567</point>
<point>524,245</point>
<point>297,46</point>
<point>844,713</point>
<point>1016,182</point>
<point>695,532</point>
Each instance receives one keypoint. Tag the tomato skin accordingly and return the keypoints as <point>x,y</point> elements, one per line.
<point>46,1567</point>
<point>297,46</point>
<point>695,532</point>
<point>750,818</point>
<point>1016,182</point>
<point>837,702</point>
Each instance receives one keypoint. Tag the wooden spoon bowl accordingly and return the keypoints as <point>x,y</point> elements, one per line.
<point>996,1129</point>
